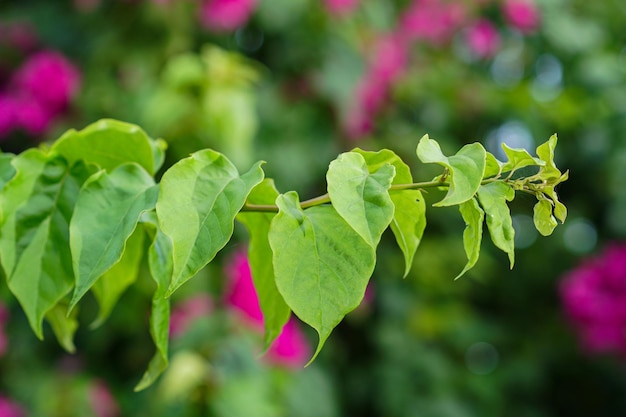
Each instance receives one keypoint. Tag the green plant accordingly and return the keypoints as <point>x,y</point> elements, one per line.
<point>76,216</point>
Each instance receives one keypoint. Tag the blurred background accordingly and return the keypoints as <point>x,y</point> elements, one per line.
<point>295,82</point>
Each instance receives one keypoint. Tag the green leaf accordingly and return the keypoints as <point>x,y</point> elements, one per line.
<point>109,144</point>
<point>106,214</point>
<point>322,265</point>
<point>198,200</point>
<point>409,218</point>
<point>7,171</point>
<point>493,198</point>
<point>63,326</point>
<point>112,284</point>
<point>37,205</point>
<point>493,167</point>
<point>545,152</point>
<point>466,169</point>
<point>361,198</point>
<point>473,216</point>
<point>275,311</point>
<point>543,218</point>
<point>160,264</point>
<point>519,158</point>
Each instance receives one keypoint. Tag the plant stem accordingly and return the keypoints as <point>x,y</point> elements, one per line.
<point>325,198</point>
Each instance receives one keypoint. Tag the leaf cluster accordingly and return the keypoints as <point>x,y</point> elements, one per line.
<point>81,214</point>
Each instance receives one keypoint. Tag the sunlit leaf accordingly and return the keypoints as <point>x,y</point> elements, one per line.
<point>37,204</point>
<point>473,216</point>
<point>275,311</point>
<point>466,169</point>
<point>545,152</point>
<point>493,198</point>
<point>359,197</point>
<point>519,158</point>
<point>198,200</point>
<point>493,167</point>
<point>409,218</point>
<point>109,143</point>
<point>106,213</point>
<point>322,265</point>
<point>543,218</point>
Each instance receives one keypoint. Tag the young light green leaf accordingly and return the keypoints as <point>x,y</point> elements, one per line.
<point>409,218</point>
<point>106,214</point>
<point>275,311</point>
<point>545,152</point>
<point>109,143</point>
<point>160,264</point>
<point>466,169</point>
<point>361,198</point>
<point>198,200</point>
<point>112,284</point>
<point>493,198</point>
<point>493,167</point>
<point>543,218</point>
<point>37,205</point>
<point>519,158</point>
<point>473,216</point>
<point>63,326</point>
<point>322,265</point>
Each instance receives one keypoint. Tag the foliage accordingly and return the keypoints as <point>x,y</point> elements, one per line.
<point>75,216</point>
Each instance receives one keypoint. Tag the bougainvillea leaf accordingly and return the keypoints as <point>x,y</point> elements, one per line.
<point>465,169</point>
<point>198,200</point>
<point>493,198</point>
<point>322,265</point>
<point>64,326</point>
<point>109,143</point>
<point>275,311</point>
<point>112,284</point>
<point>473,216</point>
<point>409,217</point>
<point>361,197</point>
<point>160,264</point>
<point>518,158</point>
<point>37,204</point>
<point>543,218</point>
<point>106,214</point>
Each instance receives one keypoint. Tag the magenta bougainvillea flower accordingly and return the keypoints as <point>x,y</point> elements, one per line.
<point>38,92</point>
<point>225,15</point>
<point>101,400</point>
<point>290,349</point>
<point>434,21</point>
<point>187,311</point>
<point>522,15</point>
<point>9,408</point>
<point>341,7</point>
<point>594,299</point>
<point>483,39</point>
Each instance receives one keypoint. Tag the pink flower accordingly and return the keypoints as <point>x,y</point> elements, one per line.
<point>387,63</point>
<point>433,21</point>
<point>8,115</point>
<point>10,409</point>
<point>225,15</point>
<point>290,349</point>
<point>341,7</point>
<point>483,39</point>
<point>102,401</point>
<point>19,35</point>
<point>184,314</point>
<point>33,117</point>
<point>522,15</point>
<point>48,78</point>
<point>594,300</point>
